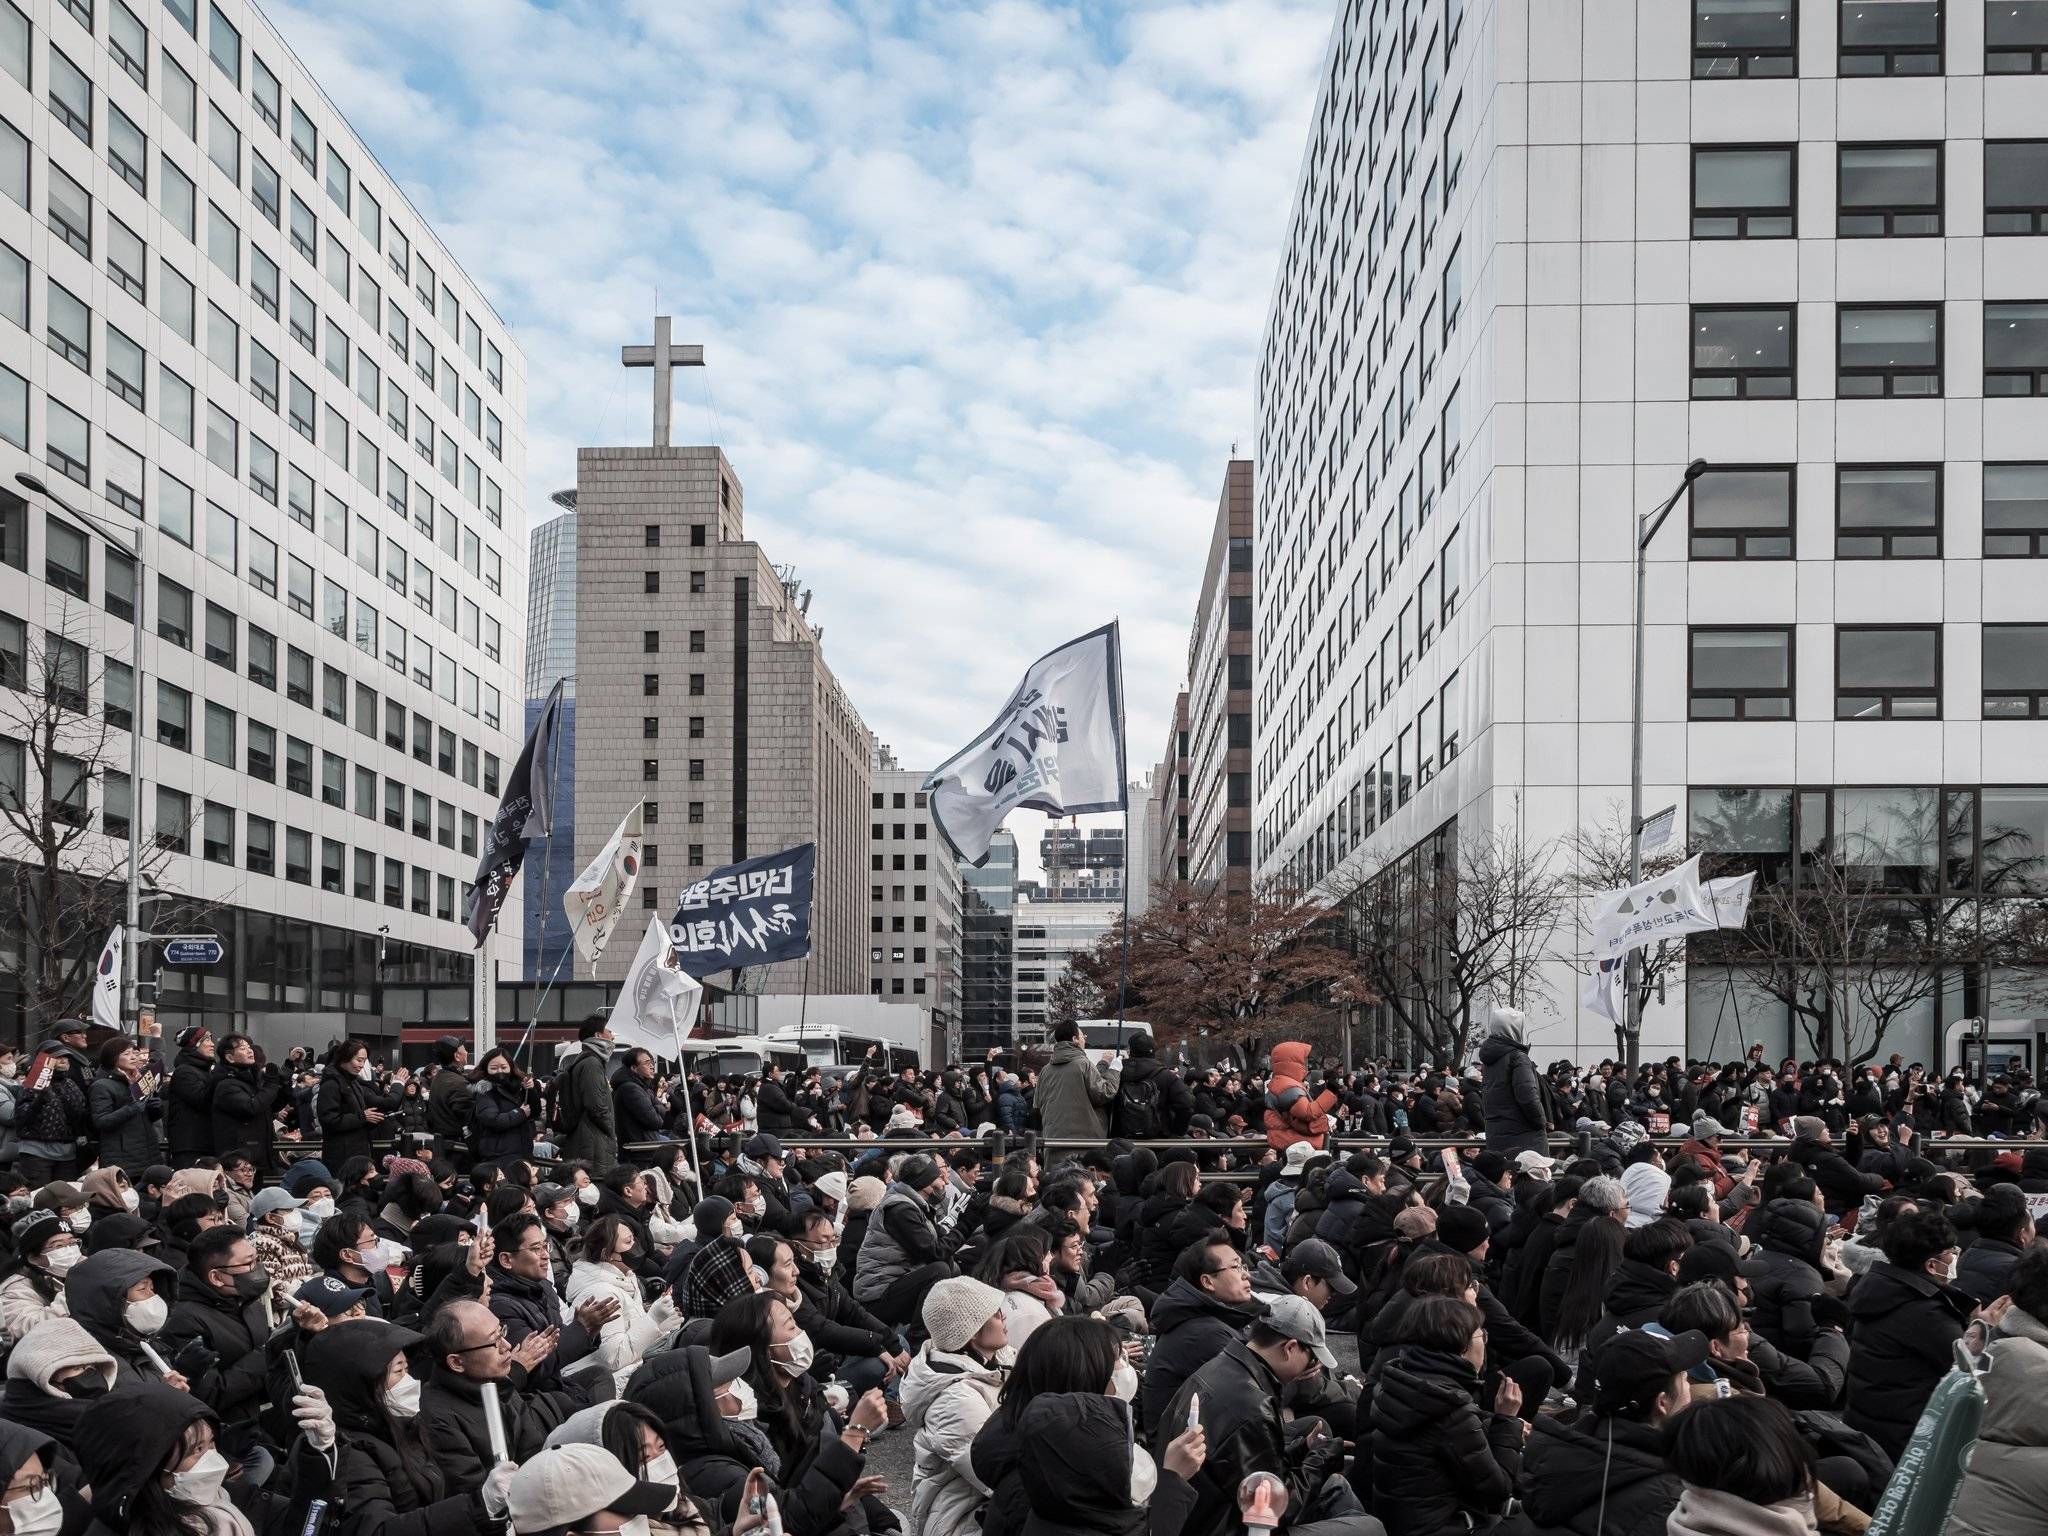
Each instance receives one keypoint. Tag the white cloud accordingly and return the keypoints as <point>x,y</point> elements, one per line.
<point>980,285</point>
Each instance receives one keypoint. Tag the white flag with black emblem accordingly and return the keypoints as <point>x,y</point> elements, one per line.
<point>1057,746</point>
<point>594,902</point>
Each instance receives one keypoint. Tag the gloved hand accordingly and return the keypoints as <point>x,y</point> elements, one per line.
<point>314,1417</point>
<point>196,1358</point>
<point>1831,1312</point>
<point>664,1310</point>
<point>497,1490</point>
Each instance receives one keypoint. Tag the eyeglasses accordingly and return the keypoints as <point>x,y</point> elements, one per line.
<point>28,1488</point>
<point>498,1342</point>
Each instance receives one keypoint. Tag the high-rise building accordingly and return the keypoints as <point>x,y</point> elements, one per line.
<point>1138,852</point>
<point>251,406</point>
<point>1082,863</point>
<point>988,897</point>
<point>1219,699</point>
<point>914,898</point>
<point>551,603</point>
<point>1166,808</point>
<point>551,657</point>
<point>1047,936</point>
<point>705,692</point>
<point>1544,255</point>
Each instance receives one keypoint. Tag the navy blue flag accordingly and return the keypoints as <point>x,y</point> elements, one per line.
<point>751,913</point>
<point>526,811</point>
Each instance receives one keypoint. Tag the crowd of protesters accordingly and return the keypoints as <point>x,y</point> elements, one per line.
<point>331,1295</point>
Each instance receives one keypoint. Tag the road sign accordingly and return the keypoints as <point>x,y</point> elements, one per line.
<point>193,949</point>
<point>1657,828</point>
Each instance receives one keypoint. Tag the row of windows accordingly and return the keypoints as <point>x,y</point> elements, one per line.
<point>1757,39</point>
<point>1750,351</point>
<point>1882,672</point>
<point>1882,512</point>
<point>1751,191</point>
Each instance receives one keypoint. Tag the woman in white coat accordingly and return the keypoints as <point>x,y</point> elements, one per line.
<point>1020,1266</point>
<point>950,1391</point>
<point>603,1268</point>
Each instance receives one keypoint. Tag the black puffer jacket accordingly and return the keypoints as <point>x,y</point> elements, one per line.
<point>1985,1269</point>
<point>1901,1343</point>
<point>1441,1465</point>
<point>1791,1236</point>
<point>1344,1201</point>
<point>1166,1225</point>
<point>1513,1098</point>
<point>1190,1328</point>
<point>241,1105</point>
<point>1636,1293</point>
<point>1841,1185</point>
<point>96,1294</point>
<point>383,1486</point>
<point>188,1107</point>
<point>1521,1284</point>
<point>998,1461</point>
<point>232,1383</point>
<point>1597,1477</point>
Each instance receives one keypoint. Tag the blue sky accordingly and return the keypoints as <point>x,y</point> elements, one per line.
<point>980,286</point>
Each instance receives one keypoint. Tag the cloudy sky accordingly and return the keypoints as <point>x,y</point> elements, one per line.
<point>980,285</point>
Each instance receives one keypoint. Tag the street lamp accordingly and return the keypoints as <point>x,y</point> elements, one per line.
<point>130,934</point>
<point>1646,530</point>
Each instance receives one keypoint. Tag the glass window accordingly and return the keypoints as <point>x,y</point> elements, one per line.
<point>1887,673</point>
<point>1732,38</point>
<point>305,137</point>
<point>224,144</point>
<point>2016,37</point>
<point>70,212</point>
<point>173,716</point>
<point>174,508</point>
<point>2015,186</point>
<point>1741,674</point>
<point>224,44</point>
<point>1888,349</point>
<point>1890,37</point>
<point>174,404</point>
<point>265,91</point>
<point>69,325</point>
<point>2015,671</point>
<point>1888,512</point>
<point>1743,513</point>
<point>1888,839</point>
<point>2016,349</point>
<point>1741,352</point>
<point>339,181</point>
<point>128,41</point>
<point>66,558</point>
<point>1742,192</point>
<point>127,260</point>
<point>70,95</point>
<point>180,96</point>
<point>173,819</point>
<point>174,300</point>
<point>14,43</point>
<point>219,846</point>
<point>13,408</point>
<point>1888,189</point>
<point>127,149</point>
<point>67,444</point>
<point>2015,511</point>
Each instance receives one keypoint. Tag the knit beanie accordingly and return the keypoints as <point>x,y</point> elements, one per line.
<point>833,1185</point>
<point>1461,1228</point>
<point>865,1193</point>
<point>955,1309</point>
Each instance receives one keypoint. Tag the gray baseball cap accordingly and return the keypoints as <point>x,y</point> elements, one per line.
<point>1296,1318</point>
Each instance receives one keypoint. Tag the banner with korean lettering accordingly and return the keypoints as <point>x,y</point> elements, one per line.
<point>755,912</point>
<point>1664,907</point>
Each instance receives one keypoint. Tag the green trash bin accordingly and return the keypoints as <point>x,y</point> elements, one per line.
<point>1923,1488</point>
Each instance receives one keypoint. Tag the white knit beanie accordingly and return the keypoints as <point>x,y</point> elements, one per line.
<point>955,1309</point>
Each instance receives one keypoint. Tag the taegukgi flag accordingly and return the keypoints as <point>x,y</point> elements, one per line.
<point>106,982</point>
<point>658,999</point>
<point>593,903</point>
<point>527,811</point>
<point>1057,746</point>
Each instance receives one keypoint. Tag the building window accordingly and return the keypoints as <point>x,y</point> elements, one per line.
<point>1733,39</point>
<point>2015,511</point>
<point>2015,671</point>
<point>1888,189</point>
<point>652,581</point>
<point>2016,349</point>
<point>653,535</point>
<point>1888,672</point>
<point>1742,352</point>
<point>650,642</point>
<point>650,727</point>
<point>1741,674</point>
<point>1743,514</point>
<point>650,684</point>
<point>1743,192</point>
<point>1888,512</point>
<point>697,581</point>
<point>650,769</point>
<point>1888,349</point>
<point>2016,37</point>
<point>2015,186</point>
<point>1890,37</point>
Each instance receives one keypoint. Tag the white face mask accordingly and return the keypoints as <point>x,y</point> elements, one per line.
<point>1123,1382</point>
<point>145,1317</point>
<point>201,1483</point>
<point>42,1515</point>
<point>1144,1477</point>
<point>320,1209</point>
<point>797,1354</point>
<point>661,1470</point>
<point>743,1392</point>
<point>10,1069</point>
<point>826,1259</point>
<point>402,1399</point>
<point>587,1194</point>
<point>131,1199</point>
<point>733,1229</point>
<point>79,1220</point>
<point>568,1216</point>
<point>637,1526</point>
<point>61,1259</point>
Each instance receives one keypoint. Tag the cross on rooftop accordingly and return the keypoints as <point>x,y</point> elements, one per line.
<point>662,357</point>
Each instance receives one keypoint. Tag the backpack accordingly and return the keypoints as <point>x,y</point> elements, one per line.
<point>1137,1106</point>
<point>564,1112</point>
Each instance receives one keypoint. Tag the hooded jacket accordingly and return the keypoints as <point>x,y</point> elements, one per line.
<point>1074,1095</point>
<point>30,1398</point>
<point>1573,1470</point>
<point>2005,1475</point>
<point>374,1479</point>
<point>1902,1343</point>
<point>1078,1453</point>
<point>947,1398</point>
<point>96,1292</point>
<point>1636,1293</point>
<point>585,1100</point>
<point>1790,1234</point>
<point>1440,1463</point>
<point>1190,1328</point>
<point>1292,1112</point>
<point>1512,1097</point>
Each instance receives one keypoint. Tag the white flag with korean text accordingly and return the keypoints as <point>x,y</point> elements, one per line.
<point>1667,906</point>
<point>657,1001</point>
<point>1057,746</point>
<point>1729,897</point>
<point>593,903</point>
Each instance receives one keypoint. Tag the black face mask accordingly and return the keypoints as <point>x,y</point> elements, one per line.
<point>92,1384</point>
<point>253,1284</point>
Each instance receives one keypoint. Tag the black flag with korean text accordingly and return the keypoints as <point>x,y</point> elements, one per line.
<point>754,912</point>
<point>527,811</point>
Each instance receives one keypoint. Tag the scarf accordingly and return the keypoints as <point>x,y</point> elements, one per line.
<point>1709,1512</point>
<point>760,1451</point>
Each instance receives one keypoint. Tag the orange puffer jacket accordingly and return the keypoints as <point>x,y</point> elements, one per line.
<point>1292,1112</point>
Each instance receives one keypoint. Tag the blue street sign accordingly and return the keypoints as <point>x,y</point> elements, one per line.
<point>192,951</point>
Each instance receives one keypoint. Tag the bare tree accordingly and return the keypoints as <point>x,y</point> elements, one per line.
<point>63,881</point>
<point>1073,996</point>
<point>1461,920</point>
<point>1600,863</point>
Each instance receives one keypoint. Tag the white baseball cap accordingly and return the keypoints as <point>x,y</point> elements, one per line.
<point>567,1483</point>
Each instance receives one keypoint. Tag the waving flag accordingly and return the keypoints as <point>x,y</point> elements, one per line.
<point>106,983</point>
<point>527,811</point>
<point>593,903</point>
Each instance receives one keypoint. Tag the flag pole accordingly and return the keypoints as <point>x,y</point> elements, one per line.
<point>683,1082</point>
<point>1123,978</point>
<point>803,1009</point>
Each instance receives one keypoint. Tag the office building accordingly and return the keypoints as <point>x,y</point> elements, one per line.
<point>914,898</point>
<point>704,691</point>
<point>1048,934</point>
<point>1138,851</point>
<point>1082,863</point>
<point>551,656</point>
<point>988,898</point>
<point>551,603</point>
<point>1542,256</point>
<point>250,404</point>
<point>1166,807</point>
<point>1219,695</point>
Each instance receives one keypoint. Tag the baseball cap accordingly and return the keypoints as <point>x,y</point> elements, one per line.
<point>272,1198</point>
<point>730,1366</point>
<point>547,1195</point>
<point>1635,1365</point>
<point>58,1195</point>
<point>330,1295</point>
<point>563,1484</point>
<point>1313,1256</point>
<point>1294,1318</point>
<point>762,1145</point>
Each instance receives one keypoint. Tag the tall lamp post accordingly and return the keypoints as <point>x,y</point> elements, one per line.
<point>1646,530</point>
<point>131,932</point>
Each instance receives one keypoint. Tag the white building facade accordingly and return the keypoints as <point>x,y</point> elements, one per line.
<point>913,905</point>
<point>1048,936</point>
<point>1544,254</point>
<point>234,347</point>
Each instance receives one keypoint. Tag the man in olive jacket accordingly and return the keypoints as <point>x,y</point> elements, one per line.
<point>584,1095</point>
<point>1074,1094</point>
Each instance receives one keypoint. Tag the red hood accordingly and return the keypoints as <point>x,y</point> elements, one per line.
<point>1290,1060</point>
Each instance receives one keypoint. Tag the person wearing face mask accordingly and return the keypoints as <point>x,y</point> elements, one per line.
<point>560,1215</point>
<point>10,1102</point>
<point>720,1270</point>
<point>581,1489</point>
<point>1907,1315</point>
<point>950,1393</point>
<point>583,1101</point>
<point>32,1284</point>
<point>54,1374</point>
<point>349,1107</point>
<point>122,1299</point>
<point>125,1108</point>
<point>604,1269</point>
<point>188,1108</point>
<point>150,1456</point>
<point>502,1109</point>
<point>866,1349</point>
<point>217,1327</point>
<point>107,1193</point>
<point>243,1105</point>
<point>709,1218</point>
<point>33,1469</point>
<point>348,1250</point>
<point>626,1194</point>
<point>276,1225</point>
<point>637,1437</point>
<point>386,1481</point>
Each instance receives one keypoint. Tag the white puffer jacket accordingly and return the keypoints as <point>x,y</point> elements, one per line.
<point>634,1329</point>
<point>946,1400</point>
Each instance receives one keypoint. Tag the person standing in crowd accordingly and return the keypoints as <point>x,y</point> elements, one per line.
<point>188,1107</point>
<point>583,1101</point>
<point>349,1107</point>
<point>1151,1100</point>
<point>449,1100</point>
<point>1074,1094</point>
<point>125,1108</point>
<point>1515,1121</point>
<point>242,1104</point>
<point>1292,1113</point>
